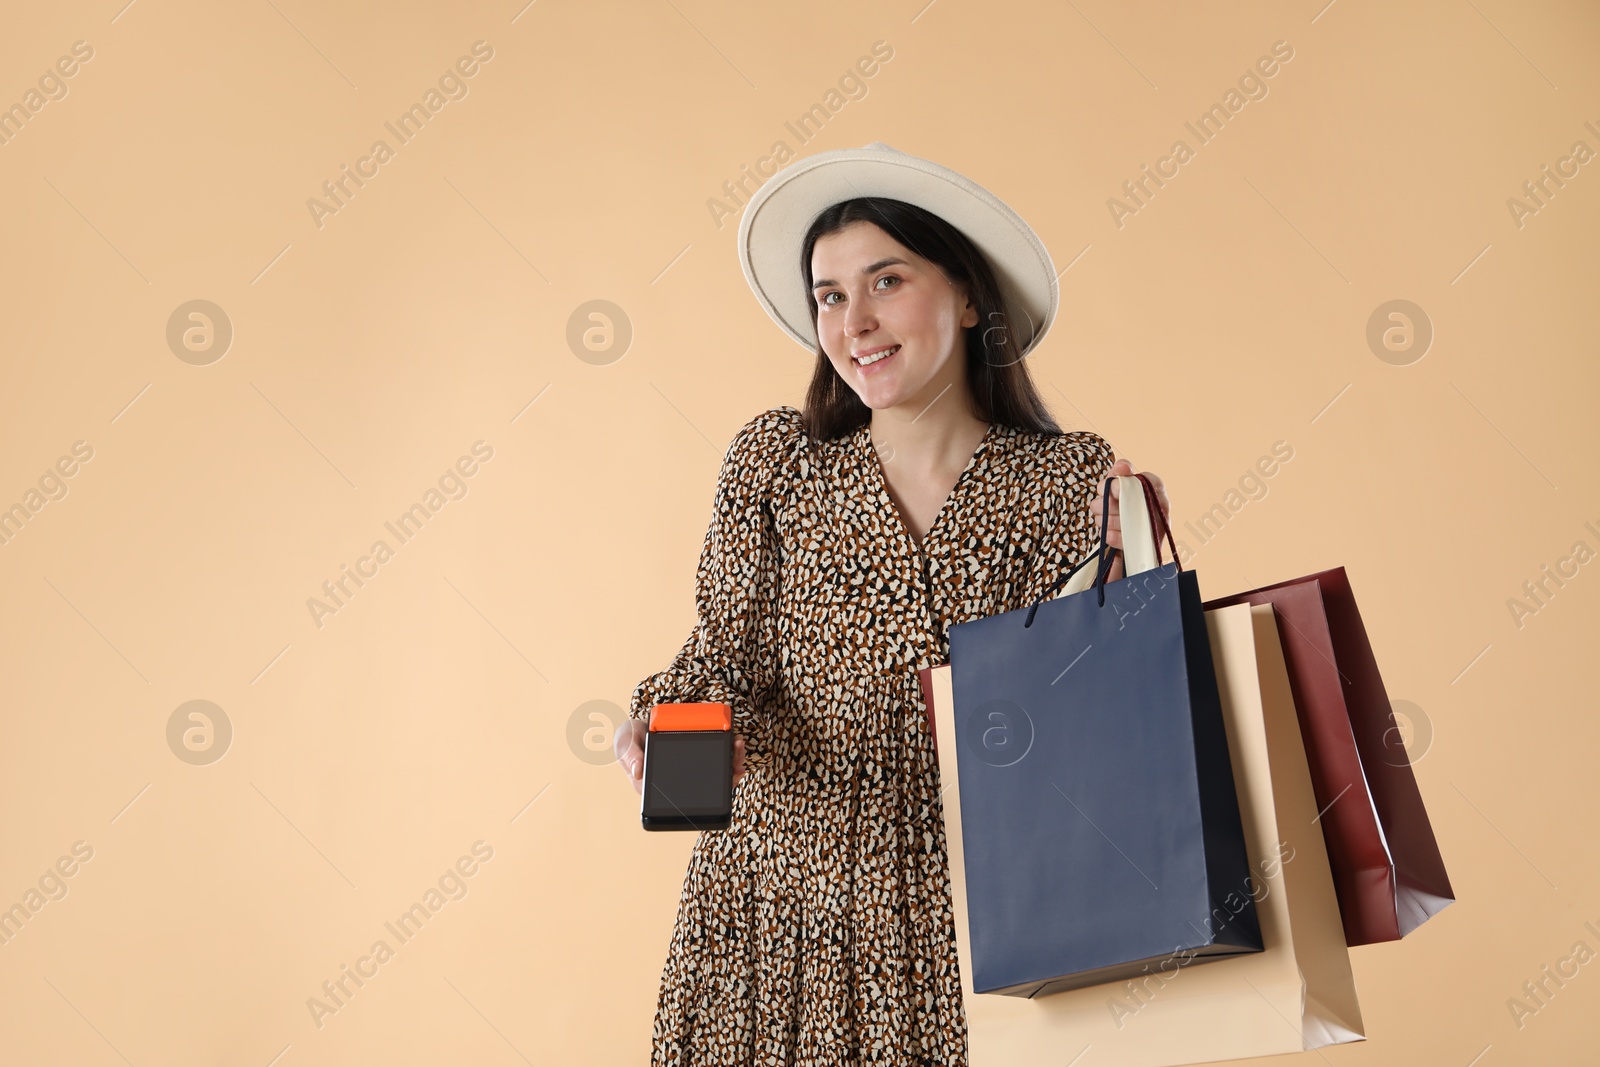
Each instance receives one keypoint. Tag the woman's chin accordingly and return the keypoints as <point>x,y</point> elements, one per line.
<point>879,392</point>
<point>878,398</point>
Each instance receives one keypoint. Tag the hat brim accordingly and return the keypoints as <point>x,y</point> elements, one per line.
<point>773,229</point>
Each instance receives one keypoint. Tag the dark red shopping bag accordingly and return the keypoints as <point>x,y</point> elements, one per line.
<point>1387,869</point>
<point>926,681</point>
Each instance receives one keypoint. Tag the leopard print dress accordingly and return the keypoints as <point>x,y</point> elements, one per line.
<point>818,928</point>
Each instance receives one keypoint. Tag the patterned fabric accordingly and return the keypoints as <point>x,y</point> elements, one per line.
<point>817,928</point>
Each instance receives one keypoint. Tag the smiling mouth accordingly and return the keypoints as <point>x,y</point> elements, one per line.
<point>876,357</point>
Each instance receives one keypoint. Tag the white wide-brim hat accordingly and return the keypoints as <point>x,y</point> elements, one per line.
<point>773,230</point>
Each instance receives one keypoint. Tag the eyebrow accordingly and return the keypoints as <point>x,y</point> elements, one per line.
<point>870,268</point>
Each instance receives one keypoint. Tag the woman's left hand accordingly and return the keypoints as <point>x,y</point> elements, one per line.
<point>1121,468</point>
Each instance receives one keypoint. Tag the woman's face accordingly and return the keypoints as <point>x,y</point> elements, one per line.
<point>872,292</point>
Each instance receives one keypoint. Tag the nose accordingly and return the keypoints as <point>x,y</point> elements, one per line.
<point>858,319</point>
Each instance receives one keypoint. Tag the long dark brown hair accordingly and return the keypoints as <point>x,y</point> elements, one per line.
<point>1002,389</point>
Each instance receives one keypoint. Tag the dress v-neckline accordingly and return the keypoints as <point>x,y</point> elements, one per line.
<point>875,465</point>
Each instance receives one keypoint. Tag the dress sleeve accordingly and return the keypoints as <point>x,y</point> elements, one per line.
<point>731,655</point>
<point>1082,458</point>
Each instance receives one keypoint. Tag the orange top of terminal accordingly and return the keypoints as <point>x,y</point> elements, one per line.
<point>691,717</point>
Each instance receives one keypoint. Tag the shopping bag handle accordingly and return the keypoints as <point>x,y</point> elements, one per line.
<point>1107,557</point>
<point>1143,526</point>
<point>1105,554</point>
<point>1141,514</point>
<point>1140,520</point>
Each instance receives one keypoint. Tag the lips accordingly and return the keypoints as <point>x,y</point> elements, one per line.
<point>893,351</point>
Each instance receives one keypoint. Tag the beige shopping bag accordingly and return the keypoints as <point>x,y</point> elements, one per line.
<point>1297,994</point>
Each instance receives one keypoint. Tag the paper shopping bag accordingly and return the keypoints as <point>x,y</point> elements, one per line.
<point>1297,994</point>
<point>1102,825</point>
<point>1386,861</point>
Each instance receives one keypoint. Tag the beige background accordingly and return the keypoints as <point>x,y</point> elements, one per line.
<point>445,703</point>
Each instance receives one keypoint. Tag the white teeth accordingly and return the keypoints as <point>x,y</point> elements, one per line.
<point>868,361</point>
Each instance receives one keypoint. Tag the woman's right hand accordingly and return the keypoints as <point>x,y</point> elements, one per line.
<point>629,747</point>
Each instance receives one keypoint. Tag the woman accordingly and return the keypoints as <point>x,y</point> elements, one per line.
<point>924,484</point>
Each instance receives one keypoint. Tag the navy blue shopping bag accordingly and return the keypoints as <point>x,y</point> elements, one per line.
<point>1100,827</point>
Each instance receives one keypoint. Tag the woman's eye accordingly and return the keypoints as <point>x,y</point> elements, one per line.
<point>825,301</point>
